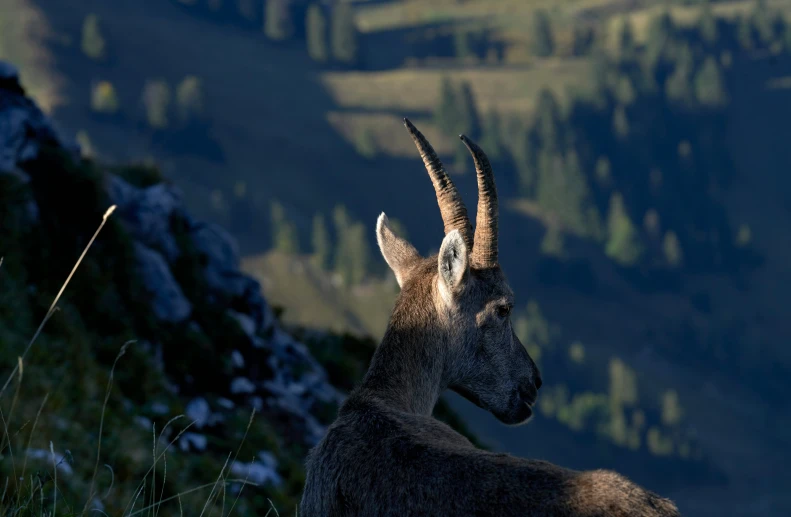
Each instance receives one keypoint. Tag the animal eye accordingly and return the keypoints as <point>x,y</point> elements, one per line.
<point>503,311</point>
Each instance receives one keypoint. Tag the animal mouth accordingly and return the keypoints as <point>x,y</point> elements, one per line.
<point>529,397</point>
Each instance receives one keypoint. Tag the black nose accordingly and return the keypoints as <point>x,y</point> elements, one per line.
<point>538,381</point>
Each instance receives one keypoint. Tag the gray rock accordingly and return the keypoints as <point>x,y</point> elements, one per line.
<point>8,71</point>
<point>169,303</point>
<point>237,359</point>
<point>192,441</point>
<point>198,411</point>
<point>147,213</point>
<point>246,322</point>
<point>242,385</point>
<point>23,127</point>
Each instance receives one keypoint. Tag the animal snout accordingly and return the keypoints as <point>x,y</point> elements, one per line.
<point>538,382</point>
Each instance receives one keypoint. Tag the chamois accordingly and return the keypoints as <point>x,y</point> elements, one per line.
<point>450,329</point>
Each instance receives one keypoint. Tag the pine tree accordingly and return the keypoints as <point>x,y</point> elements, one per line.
<point>284,234</point>
<point>446,115</point>
<point>626,42</point>
<point>620,122</point>
<point>352,254</point>
<point>547,121</point>
<point>316,33</point>
<point>543,37</point>
<point>461,44</point>
<point>710,84</point>
<point>623,241</point>
<point>341,221</point>
<point>707,25</point>
<point>156,102</point>
<point>563,191</point>
<point>93,43</point>
<point>624,90</point>
<point>365,143</point>
<point>678,86</point>
<point>581,40</point>
<point>278,25</point>
<point>344,35</point>
<point>553,243</point>
<point>359,254</point>
<point>470,120</point>
<point>744,33</point>
<point>190,99</point>
<point>763,20</point>
<point>248,9</point>
<point>491,140</point>
<point>320,239</point>
<point>103,98</point>
<point>672,249</point>
<point>661,32</point>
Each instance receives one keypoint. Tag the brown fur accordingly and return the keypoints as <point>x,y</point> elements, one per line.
<point>386,456</point>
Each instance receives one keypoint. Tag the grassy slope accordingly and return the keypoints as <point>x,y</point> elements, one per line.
<point>728,421</point>
<point>311,299</point>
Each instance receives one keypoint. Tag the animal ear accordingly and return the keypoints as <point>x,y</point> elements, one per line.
<point>453,264</point>
<point>398,253</point>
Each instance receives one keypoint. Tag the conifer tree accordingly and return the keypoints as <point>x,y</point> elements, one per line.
<point>320,239</point>
<point>661,32</point>
<point>710,84</point>
<point>626,41</point>
<point>343,34</point>
<point>543,37</point>
<point>623,240</point>
<point>446,115</point>
<point>552,244</point>
<point>547,121</point>
<point>763,21</point>
<point>470,120</point>
<point>278,25</point>
<point>620,122</point>
<point>582,39</point>
<point>316,33</point>
<point>672,249</point>
<point>190,99</point>
<point>284,233</point>
<point>156,102</point>
<point>491,139</point>
<point>248,9</point>
<point>93,43</point>
<point>678,86</point>
<point>563,190</point>
<point>103,98</point>
<point>707,25</point>
<point>744,33</point>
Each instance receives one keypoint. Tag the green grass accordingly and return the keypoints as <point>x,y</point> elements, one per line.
<point>312,300</point>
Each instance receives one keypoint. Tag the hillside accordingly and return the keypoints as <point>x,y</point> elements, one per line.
<point>616,334</point>
<point>158,316</point>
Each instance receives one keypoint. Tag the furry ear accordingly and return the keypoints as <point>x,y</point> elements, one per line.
<point>397,252</point>
<point>453,264</point>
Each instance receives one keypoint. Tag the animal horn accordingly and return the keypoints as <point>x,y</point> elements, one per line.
<point>454,213</point>
<point>484,250</point>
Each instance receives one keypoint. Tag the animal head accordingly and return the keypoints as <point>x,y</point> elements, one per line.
<point>462,295</point>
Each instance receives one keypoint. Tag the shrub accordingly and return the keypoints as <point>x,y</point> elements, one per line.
<point>156,102</point>
<point>93,43</point>
<point>103,98</point>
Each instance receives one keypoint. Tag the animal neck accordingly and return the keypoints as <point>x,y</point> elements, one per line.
<point>407,370</point>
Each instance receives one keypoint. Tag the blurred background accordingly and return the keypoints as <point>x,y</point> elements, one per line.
<point>641,151</point>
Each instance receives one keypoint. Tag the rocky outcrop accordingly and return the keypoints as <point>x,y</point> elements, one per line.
<point>268,370</point>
